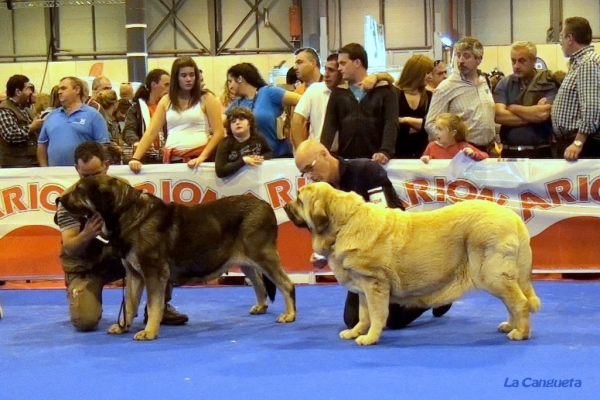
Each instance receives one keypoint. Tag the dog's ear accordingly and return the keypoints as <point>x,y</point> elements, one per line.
<point>319,216</point>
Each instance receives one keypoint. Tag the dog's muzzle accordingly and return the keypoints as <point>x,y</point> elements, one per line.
<point>299,222</point>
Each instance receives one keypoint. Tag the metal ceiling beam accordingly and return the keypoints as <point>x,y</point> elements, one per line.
<point>179,26</point>
<point>260,17</point>
<point>62,3</point>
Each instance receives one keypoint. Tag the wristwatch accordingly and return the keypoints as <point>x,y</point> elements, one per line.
<point>578,143</point>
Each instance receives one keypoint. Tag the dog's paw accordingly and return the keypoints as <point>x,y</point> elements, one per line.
<point>349,334</point>
<point>366,340</point>
<point>286,317</point>
<point>145,335</point>
<point>516,334</point>
<point>116,329</point>
<point>504,327</point>
<point>259,309</point>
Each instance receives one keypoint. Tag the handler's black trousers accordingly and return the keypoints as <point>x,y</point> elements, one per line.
<point>398,317</point>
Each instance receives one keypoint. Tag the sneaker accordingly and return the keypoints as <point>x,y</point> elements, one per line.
<point>170,316</point>
<point>441,310</point>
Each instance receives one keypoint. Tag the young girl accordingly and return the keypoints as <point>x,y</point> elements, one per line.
<point>450,132</point>
<point>243,144</point>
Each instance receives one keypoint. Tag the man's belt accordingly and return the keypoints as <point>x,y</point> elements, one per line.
<point>521,148</point>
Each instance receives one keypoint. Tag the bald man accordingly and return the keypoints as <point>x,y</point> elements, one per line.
<point>358,175</point>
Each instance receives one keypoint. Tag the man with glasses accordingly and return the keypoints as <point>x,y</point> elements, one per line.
<point>576,110</point>
<point>439,73</point>
<point>18,133</point>
<point>360,176</point>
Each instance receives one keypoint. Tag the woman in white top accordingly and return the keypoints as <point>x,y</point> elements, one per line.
<point>192,115</point>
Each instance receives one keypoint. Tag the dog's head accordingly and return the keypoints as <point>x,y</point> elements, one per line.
<point>98,194</point>
<point>321,208</point>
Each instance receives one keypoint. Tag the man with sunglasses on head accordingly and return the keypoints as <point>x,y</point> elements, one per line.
<point>368,179</point>
<point>18,132</point>
<point>435,77</point>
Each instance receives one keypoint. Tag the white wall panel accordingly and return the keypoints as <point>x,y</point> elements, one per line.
<point>528,24</point>
<point>76,33</point>
<point>111,34</point>
<point>589,9</point>
<point>490,21</point>
<point>404,23</point>
<point>353,19</point>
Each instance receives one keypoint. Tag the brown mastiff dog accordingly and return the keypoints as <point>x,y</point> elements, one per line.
<point>422,259</point>
<point>160,242</point>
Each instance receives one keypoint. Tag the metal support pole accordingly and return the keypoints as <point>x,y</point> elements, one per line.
<point>556,21</point>
<point>137,53</point>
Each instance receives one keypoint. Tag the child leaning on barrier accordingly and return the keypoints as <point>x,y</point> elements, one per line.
<point>244,145</point>
<point>450,132</point>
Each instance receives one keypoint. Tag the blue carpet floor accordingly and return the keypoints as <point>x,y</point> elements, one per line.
<point>225,353</point>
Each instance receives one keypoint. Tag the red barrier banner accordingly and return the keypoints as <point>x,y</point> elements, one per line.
<point>559,202</point>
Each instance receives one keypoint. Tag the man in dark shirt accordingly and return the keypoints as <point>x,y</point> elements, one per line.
<point>523,102</point>
<point>367,122</point>
<point>359,176</point>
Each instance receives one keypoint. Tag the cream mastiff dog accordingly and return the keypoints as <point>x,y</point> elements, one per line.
<point>423,259</point>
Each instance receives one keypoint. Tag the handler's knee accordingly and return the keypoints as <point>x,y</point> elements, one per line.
<point>85,304</point>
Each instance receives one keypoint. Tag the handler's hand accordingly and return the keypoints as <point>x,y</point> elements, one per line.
<point>135,166</point>
<point>93,226</point>
<point>425,159</point>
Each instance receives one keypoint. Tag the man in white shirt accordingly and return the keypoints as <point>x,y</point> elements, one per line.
<point>466,94</point>
<point>313,104</point>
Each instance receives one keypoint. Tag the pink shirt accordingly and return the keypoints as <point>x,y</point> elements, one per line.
<point>435,151</point>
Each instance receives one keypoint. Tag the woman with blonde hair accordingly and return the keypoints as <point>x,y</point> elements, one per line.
<point>193,118</point>
<point>226,97</point>
<point>413,101</point>
<point>107,99</point>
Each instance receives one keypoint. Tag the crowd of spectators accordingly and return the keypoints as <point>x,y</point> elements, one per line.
<point>529,113</point>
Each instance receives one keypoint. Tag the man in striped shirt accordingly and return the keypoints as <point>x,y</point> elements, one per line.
<point>576,110</point>
<point>466,94</point>
<point>89,263</point>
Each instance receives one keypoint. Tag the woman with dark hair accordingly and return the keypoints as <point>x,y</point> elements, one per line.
<point>413,102</point>
<point>265,102</point>
<point>191,114</point>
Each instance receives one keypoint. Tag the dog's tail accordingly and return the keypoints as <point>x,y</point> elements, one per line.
<point>270,287</point>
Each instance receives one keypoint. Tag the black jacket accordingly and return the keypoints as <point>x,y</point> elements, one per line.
<point>366,127</point>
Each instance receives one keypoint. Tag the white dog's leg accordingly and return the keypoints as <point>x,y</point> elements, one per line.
<point>378,300</point>
<point>364,321</point>
<point>507,289</point>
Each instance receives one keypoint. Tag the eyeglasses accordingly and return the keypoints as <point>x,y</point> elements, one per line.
<point>308,169</point>
<point>562,37</point>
